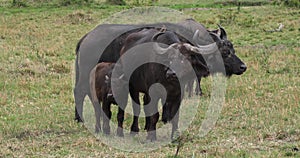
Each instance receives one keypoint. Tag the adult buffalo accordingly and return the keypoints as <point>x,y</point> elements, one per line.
<point>164,66</point>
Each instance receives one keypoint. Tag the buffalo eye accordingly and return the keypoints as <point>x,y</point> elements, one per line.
<point>226,53</point>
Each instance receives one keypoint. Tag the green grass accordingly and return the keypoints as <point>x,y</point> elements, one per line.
<point>260,118</point>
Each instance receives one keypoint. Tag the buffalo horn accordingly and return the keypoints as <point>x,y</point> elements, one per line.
<point>161,31</point>
<point>196,35</point>
<point>204,50</point>
<point>155,36</point>
<point>161,50</point>
<point>223,33</point>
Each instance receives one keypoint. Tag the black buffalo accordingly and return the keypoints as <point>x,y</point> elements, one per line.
<point>148,74</point>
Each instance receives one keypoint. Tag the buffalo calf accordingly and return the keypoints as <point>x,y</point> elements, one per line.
<point>100,86</point>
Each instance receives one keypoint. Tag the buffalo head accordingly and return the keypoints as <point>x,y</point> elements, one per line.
<point>183,59</point>
<point>233,64</point>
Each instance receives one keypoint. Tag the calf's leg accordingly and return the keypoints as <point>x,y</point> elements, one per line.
<point>97,109</point>
<point>107,116</point>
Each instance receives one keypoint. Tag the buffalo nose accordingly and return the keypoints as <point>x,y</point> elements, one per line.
<point>243,67</point>
<point>171,73</point>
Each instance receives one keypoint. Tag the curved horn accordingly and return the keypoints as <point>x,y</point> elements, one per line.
<point>223,35</point>
<point>196,35</point>
<point>161,31</point>
<point>160,50</point>
<point>155,36</point>
<point>204,50</point>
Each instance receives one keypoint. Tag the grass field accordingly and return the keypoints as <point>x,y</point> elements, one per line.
<point>261,116</point>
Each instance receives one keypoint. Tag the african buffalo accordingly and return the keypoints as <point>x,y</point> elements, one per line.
<point>148,74</point>
<point>100,86</point>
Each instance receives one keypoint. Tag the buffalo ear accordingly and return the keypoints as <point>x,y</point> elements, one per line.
<point>223,34</point>
<point>216,31</point>
<point>215,37</point>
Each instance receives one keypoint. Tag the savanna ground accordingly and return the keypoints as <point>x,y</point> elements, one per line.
<point>261,116</point>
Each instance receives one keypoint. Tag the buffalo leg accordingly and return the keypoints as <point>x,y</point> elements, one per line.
<point>106,117</point>
<point>97,109</point>
<point>151,132</point>
<point>189,88</point>
<point>152,111</point>
<point>79,98</point>
<point>146,99</point>
<point>175,119</point>
<point>166,113</point>
<point>136,112</point>
<point>174,122</point>
<point>120,117</point>
<point>198,89</point>
<point>78,95</point>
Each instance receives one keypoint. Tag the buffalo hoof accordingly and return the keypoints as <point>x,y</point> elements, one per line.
<point>151,136</point>
<point>97,130</point>
<point>106,128</point>
<point>134,130</point>
<point>200,94</point>
<point>78,119</point>
<point>175,135</point>
<point>106,131</point>
<point>120,132</point>
<point>132,133</point>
